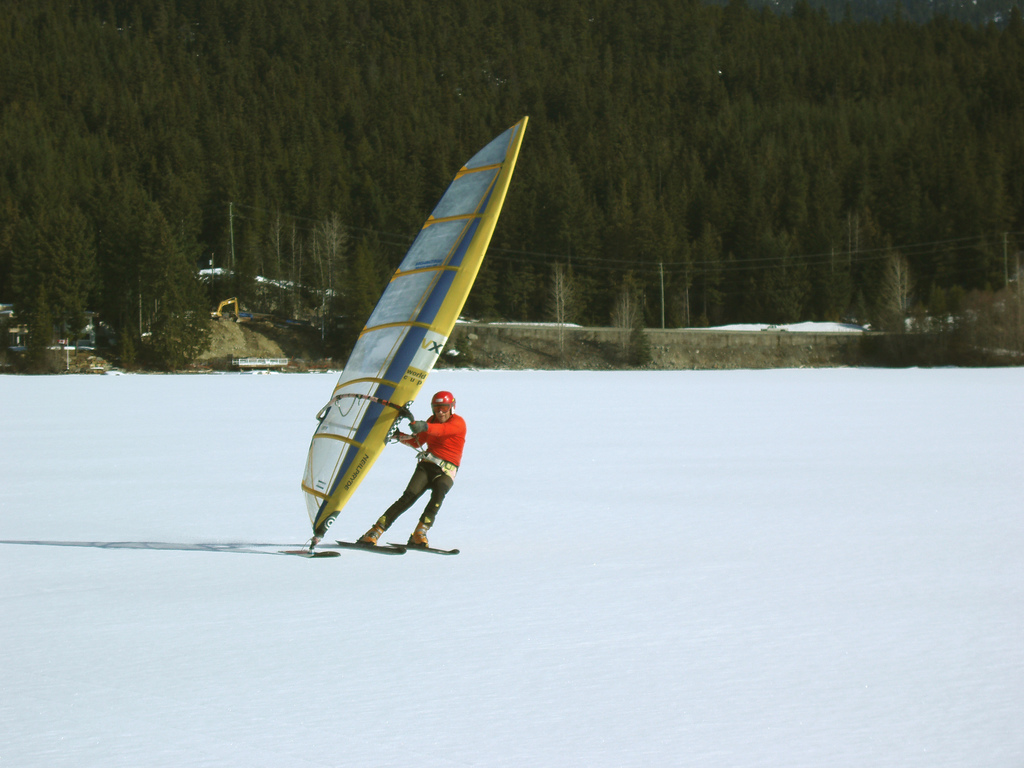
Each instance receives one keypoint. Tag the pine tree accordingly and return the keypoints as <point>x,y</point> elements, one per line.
<point>178,319</point>
<point>38,358</point>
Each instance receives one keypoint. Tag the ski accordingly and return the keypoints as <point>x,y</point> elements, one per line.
<point>307,553</point>
<point>388,550</point>
<point>412,547</point>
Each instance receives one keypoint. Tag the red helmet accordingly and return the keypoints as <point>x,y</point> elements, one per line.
<point>442,398</point>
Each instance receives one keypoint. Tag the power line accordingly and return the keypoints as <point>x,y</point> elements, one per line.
<point>723,265</point>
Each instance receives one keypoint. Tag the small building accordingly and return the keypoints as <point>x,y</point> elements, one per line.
<point>259,363</point>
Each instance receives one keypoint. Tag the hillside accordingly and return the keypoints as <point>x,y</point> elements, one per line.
<point>231,340</point>
<point>737,164</point>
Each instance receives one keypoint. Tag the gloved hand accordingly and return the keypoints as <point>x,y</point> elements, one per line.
<point>418,426</point>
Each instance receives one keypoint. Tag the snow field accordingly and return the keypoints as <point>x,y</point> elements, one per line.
<point>735,568</point>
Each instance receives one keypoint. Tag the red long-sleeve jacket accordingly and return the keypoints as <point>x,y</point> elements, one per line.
<point>444,440</point>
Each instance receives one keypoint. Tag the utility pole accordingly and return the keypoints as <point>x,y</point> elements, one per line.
<point>1006,269</point>
<point>661,274</point>
<point>231,229</point>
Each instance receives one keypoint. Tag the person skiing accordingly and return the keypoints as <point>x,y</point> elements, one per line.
<point>440,440</point>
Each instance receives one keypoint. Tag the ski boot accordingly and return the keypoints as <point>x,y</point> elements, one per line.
<point>419,536</point>
<point>370,537</point>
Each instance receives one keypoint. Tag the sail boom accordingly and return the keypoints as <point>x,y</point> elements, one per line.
<point>343,385</point>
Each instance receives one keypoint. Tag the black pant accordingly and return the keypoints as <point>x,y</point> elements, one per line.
<point>427,475</point>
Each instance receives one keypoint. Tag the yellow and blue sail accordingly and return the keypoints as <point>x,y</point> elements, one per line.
<point>407,330</point>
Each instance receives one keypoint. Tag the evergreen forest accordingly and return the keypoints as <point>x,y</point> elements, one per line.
<point>718,163</point>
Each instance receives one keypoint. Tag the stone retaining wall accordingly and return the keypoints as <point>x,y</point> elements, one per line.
<point>671,349</point>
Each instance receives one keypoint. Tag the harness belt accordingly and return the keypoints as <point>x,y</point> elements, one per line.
<point>446,466</point>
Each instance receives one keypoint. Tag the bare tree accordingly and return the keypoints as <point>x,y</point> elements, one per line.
<point>335,238</point>
<point>686,299</point>
<point>1019,307</point>
<point>628,317</point>
<point>896,287</point>
<point>295,273</point>
<point>277,301</point>
<point>626,313</point>
<point>564,301</point>
<point>330,242</point>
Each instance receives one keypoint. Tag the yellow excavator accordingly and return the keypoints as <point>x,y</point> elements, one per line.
<point>236,315</point>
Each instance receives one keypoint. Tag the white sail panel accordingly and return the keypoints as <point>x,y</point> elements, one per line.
<point>433,245</point>
<point>405,297</point>
<point>465,194</point>
<point>370,359</point>
<point>498,150</point>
